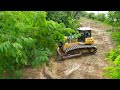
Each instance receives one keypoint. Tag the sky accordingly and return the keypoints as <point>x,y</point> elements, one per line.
<point>96,12</point>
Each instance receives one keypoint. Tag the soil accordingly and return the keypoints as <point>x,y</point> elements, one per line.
<point>83,67</point>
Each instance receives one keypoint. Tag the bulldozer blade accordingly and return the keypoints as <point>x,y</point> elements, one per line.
<point>70,56</point>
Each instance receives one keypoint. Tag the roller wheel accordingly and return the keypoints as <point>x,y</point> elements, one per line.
<point>95,50</point>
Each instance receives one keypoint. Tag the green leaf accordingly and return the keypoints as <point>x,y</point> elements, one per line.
<point>17,45</point>
<point>117,60</point>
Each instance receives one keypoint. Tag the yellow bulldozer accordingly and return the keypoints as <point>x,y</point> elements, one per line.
<point>77,46</point>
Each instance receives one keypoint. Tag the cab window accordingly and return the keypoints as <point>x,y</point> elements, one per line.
<point>87,34</point>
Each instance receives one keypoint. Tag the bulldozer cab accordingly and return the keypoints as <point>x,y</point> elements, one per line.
<point>85,33</point>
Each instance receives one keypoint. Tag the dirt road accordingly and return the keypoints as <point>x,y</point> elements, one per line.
<point>87,66</point>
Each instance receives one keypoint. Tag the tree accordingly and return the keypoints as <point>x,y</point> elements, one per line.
<point>27,38</point>
<point>66,17</point>
<point>114,18</point>
<point>101,17</point>
<point>91,15</point>
<point>83,13</point>
<point>113,70</point>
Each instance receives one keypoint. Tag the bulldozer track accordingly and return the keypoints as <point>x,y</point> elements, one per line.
<point>78,47</point>
<point>86,66</point>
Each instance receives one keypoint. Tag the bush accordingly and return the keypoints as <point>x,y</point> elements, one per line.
<point>113,70</point>
<point>69,18</point>
<point>27,38</point>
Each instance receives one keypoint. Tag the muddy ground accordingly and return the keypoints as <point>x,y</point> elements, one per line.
<point>82,67</point>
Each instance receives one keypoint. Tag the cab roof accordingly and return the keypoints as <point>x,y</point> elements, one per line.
<point>84,28</point>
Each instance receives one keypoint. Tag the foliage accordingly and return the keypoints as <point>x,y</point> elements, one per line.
<point>113,70</point>
<point>27,38</point>
<point>11,75</point>
<point>41,56</point>
<point>101,17</point>
<point>83,14</point>
<point>69,18</point>
<point>91,16</point>
<point>116,37</point>
<point>114,18</point>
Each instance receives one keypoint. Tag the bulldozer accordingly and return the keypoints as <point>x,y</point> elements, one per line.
<point>74,47</point>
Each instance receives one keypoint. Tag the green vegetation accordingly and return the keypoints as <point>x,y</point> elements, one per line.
<point>113,70</point>
<point>113,19</point>
<point>27,38</point>
<point>69,18</point>
<point>99,17</point>
<point>30,38</point>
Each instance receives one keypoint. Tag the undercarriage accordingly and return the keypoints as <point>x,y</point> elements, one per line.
<point>74,51</point>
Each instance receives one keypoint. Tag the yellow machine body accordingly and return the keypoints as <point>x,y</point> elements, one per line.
<point>89,40</point>
<point>76,46</point>
<point>73,42</point>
